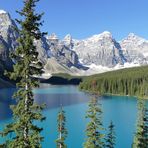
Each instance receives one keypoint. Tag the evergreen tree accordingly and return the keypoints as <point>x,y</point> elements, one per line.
<point>26,134</point>
<point>146,127</point>
<point>141,135</point>
<point>111,138</point>
<point>61,129</point>
<point>95,138</point>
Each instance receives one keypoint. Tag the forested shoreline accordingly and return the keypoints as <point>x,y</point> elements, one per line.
<point>62,79</point>
<point>129,81</point>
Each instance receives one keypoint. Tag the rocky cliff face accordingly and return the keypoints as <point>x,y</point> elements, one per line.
<point>61,51</point>
<point>47,47</point>
<point>73,55</point>
<point>104,50</point>
<point>135,49</point>
<point>100,49</point>
<point>7,29</point>
<point>8,37</point>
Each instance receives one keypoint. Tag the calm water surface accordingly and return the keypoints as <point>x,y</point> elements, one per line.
<point>121,110</point>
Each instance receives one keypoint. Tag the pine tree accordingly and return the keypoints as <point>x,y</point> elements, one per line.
<point>61,129</point>
<point>95,138</point>
<point>145,128</point>
<point>26,134</point>
<point>111,138</point>
<point>141,135</point>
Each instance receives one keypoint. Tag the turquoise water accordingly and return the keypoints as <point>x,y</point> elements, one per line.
<point>121,110</point>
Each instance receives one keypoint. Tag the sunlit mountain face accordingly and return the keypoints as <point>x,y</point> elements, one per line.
<point>96,54</point>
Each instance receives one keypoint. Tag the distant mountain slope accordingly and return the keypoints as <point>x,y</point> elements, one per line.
<point>95,54</point>
<point>100,49</point>
<point>135,49</point>
<point>52,66</point>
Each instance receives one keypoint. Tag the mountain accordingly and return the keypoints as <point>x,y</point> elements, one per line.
<point>7,29</point>
<point>96,54</point>
<point>61,52</point>
<point>53,65</point>
<point>100,49</point>
<point>8,37</point>
<point>135,49</point>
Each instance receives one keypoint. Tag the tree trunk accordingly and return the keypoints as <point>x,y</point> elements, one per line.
<point>26,110</point>
<point>60,136</point>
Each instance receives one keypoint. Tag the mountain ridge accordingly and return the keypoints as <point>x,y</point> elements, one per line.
<point>95,54</point>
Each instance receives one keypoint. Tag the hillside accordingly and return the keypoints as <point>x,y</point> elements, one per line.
<point>131,81</point>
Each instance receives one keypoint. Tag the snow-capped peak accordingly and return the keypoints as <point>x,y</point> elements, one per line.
<point>134,39</point>
<point>98,37</point>
<point>131,35</point>
<point>53,36</point>
<point>3,12</point>
<point>106,33</point>
<point>68,37</point>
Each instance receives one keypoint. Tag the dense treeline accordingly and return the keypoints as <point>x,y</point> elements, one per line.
<point>130,81</point>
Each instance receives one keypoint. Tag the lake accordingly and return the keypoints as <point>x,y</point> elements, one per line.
<point>121,110</point>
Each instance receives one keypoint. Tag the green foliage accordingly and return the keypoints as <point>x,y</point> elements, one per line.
<point>26,134</point>
<point>61,129</point>
<point>111,138</point>
<point>130,81</point>
<point>141,135</point>
<point>94,129</point>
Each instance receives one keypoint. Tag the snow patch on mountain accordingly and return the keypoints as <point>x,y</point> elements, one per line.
<point>2,12</point>
<point>96,54</point>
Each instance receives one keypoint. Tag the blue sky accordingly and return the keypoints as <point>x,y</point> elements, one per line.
<point>83,18</point>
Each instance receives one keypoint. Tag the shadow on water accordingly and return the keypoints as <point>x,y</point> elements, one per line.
<point>5,102</point>
<point>55,100</point>
<point>52,100</point>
